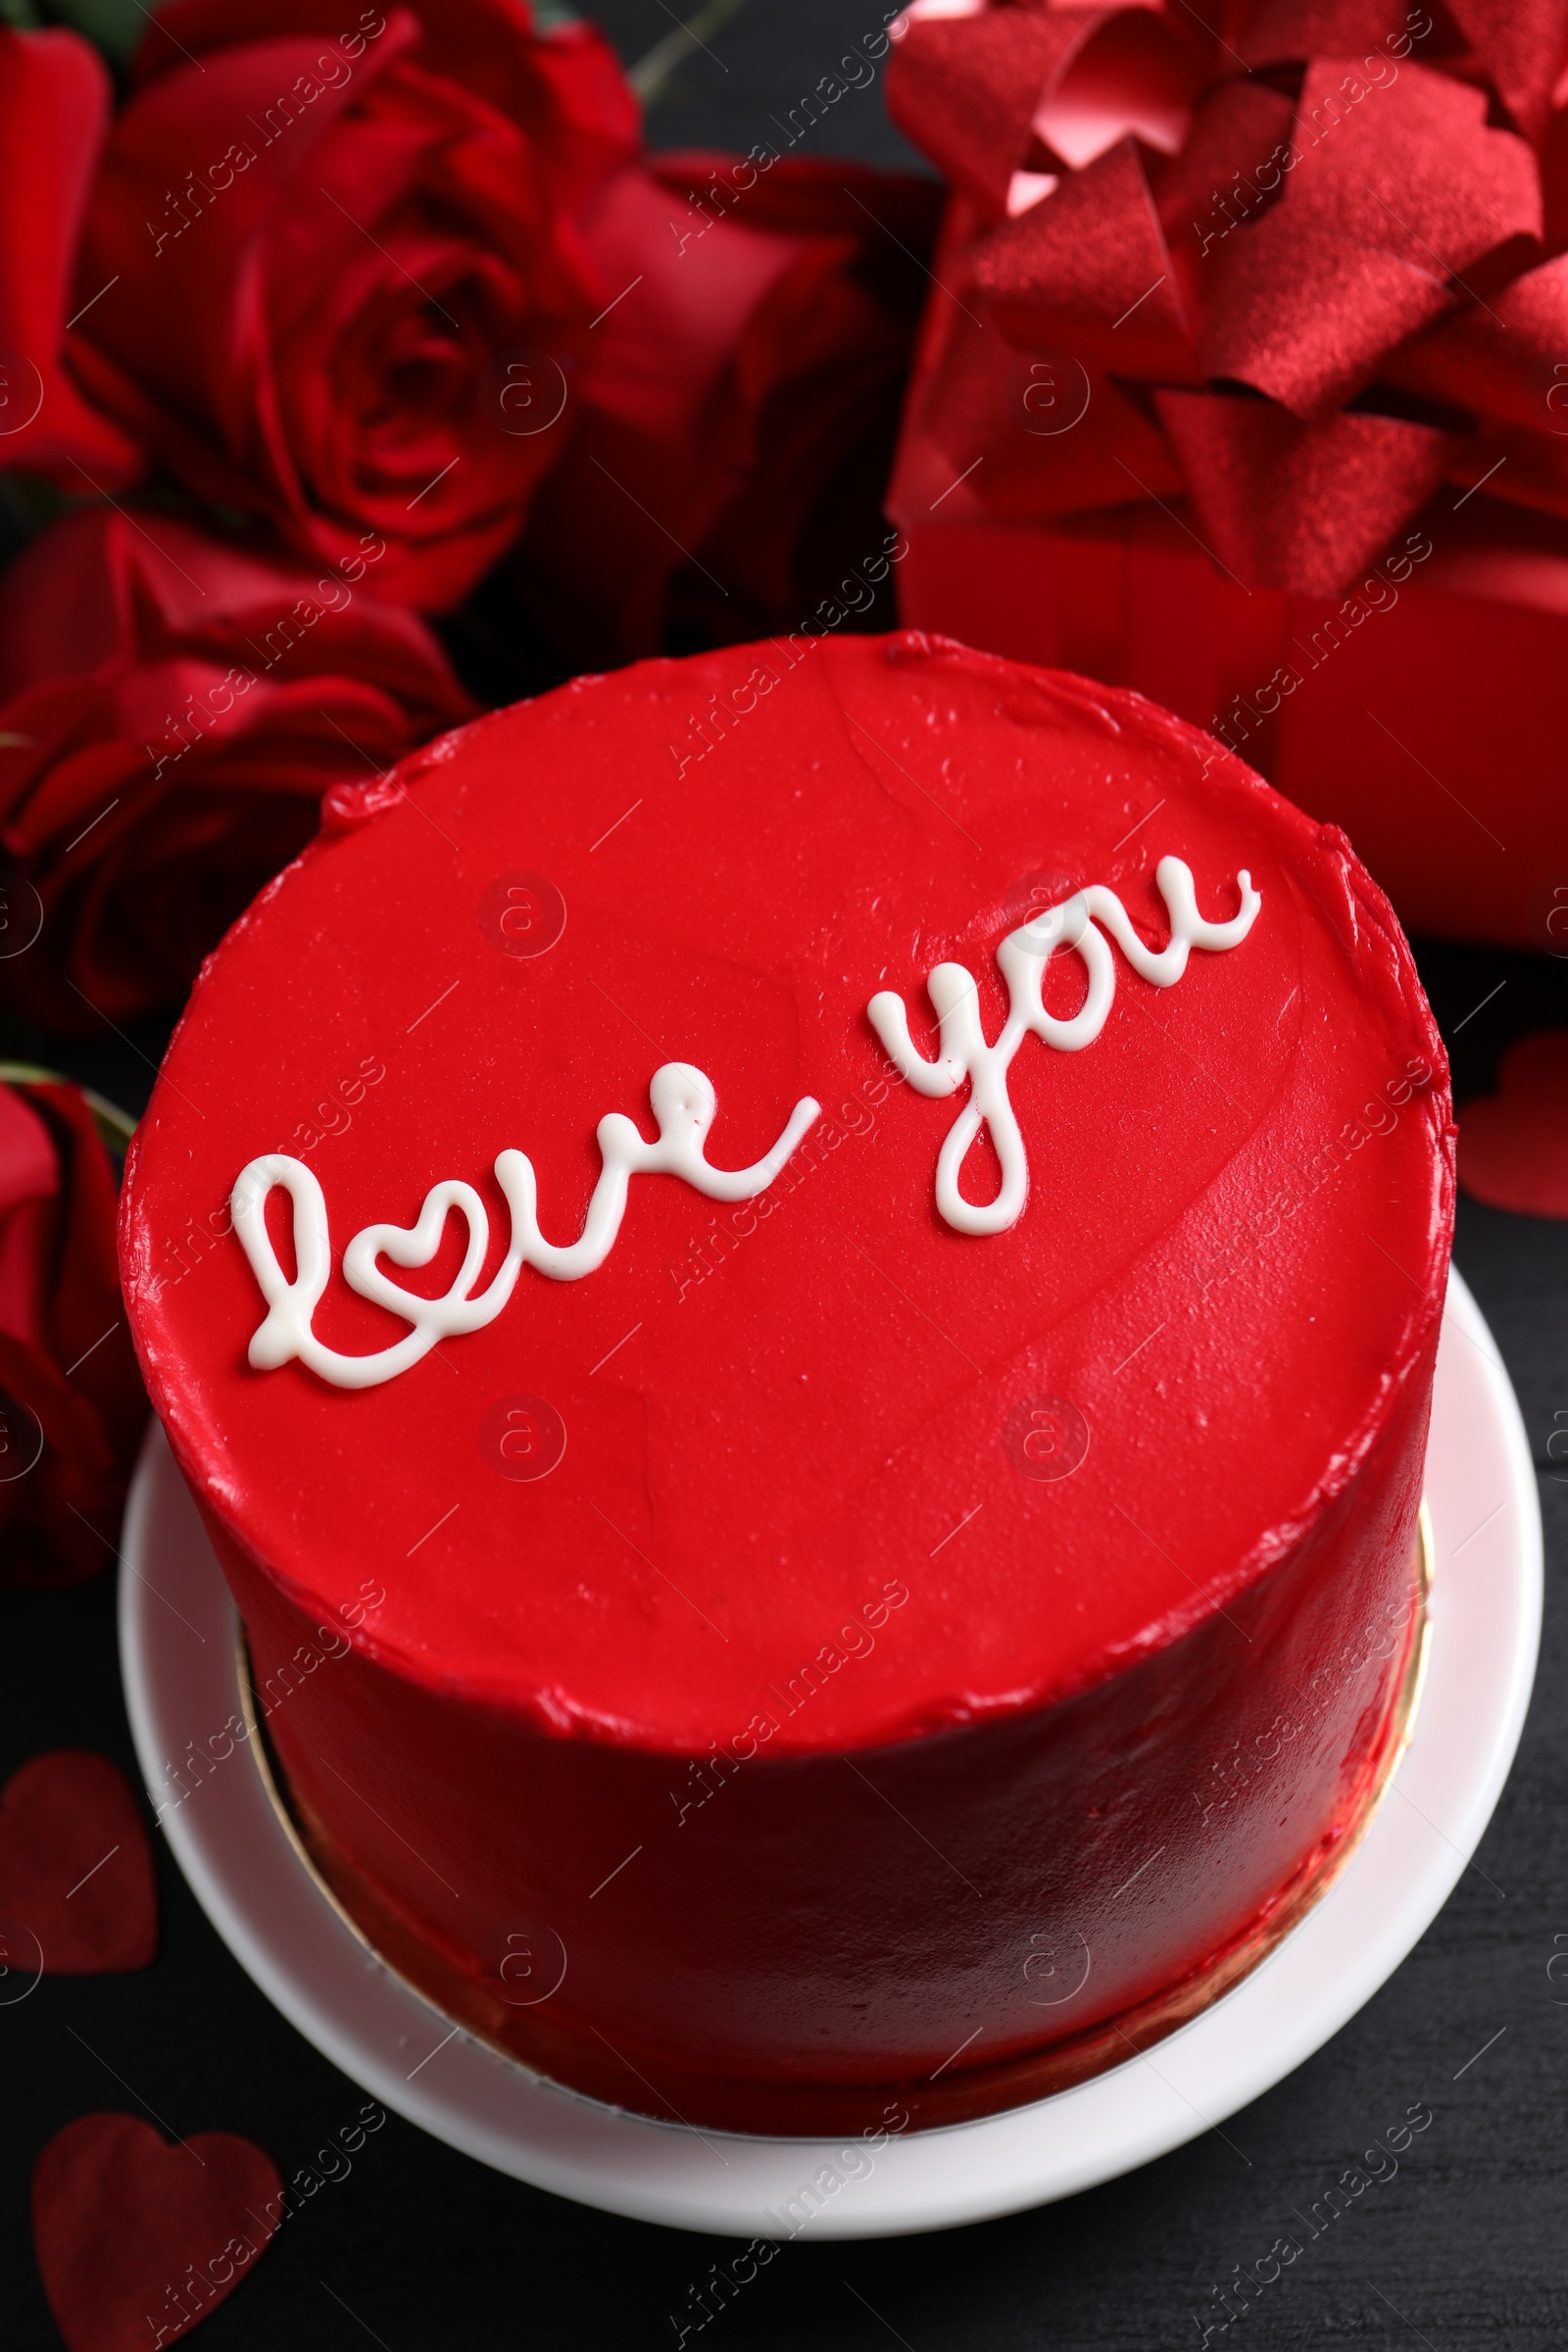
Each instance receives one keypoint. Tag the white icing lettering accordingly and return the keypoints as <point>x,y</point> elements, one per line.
<point>964,1054</point>
<point>683,1103</point>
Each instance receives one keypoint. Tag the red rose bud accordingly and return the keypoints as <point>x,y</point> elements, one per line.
<point>734,427</point>
<point>320,239</point>
<point>72,1404</point>
<point>53,112</point>
<point>172,709</point>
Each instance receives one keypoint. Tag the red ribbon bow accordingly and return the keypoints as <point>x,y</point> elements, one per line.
<point>1311,262</point>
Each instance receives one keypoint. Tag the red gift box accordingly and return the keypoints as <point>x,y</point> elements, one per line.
<point>1283,444</point>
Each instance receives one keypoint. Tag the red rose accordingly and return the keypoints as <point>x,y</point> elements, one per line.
<point>72,1404</point>
<point>735,424</point>
<point>53,112</point>
<point>172,709</point>
<point>314,247</point>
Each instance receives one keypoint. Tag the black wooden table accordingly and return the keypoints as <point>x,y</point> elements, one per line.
<point>419,2249</point>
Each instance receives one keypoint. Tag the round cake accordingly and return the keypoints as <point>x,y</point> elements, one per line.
<point>800,1291</point>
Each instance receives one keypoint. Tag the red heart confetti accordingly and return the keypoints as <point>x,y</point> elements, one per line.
<point>75,1868</point>
<point>136,2240</point>
<point>1513,1145</point>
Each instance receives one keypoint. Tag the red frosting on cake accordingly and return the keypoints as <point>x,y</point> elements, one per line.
<point>1035,1601</point>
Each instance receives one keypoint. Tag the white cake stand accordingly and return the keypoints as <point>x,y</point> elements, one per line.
<point>179,1649</point>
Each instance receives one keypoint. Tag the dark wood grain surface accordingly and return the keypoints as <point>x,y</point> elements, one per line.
<point>419,2249</point>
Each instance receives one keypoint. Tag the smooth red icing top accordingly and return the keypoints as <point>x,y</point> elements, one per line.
<point>1235,1232</point>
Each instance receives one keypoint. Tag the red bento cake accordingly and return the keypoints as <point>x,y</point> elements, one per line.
<point>800,1557</point>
